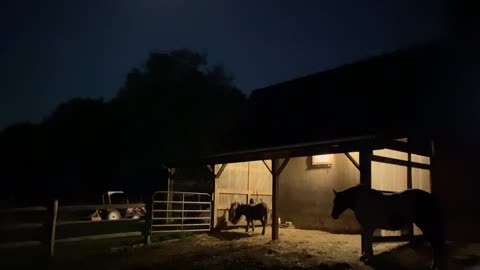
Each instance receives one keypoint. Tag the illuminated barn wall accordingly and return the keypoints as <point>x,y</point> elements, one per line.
<point>241,182</point>
<point>306,196</point>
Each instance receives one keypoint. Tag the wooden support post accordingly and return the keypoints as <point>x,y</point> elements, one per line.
<point>410,231</point>
<point>432,166</point>
<point>171,175</point>
<point>217,175</point>
<point>365,178</point>
<point>275,185</point>
<point>248,183</point>
<point>54,227</point>
<point>213,205</point>
<point>366,167</point>
<point>409,171</point>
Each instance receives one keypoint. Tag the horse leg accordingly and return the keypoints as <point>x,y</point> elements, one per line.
<point>367,244</point>
<point>248,224</point>
<point>253,225</point>
<point>435,237</point>
<point>437,254</point>
<point>264,221</point>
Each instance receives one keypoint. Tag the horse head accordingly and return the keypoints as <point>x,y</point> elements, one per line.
<point>232,213</point>
<point>340,204</point>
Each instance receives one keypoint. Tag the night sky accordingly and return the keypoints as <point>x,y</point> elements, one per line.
<point>51,51</point>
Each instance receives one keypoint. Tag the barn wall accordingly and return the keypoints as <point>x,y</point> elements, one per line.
<point>306,196</point>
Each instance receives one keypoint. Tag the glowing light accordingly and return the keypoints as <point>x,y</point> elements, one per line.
<point>321,160</point>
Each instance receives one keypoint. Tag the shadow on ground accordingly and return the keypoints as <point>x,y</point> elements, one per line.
<point>408,256</point>
<point>413,257</point>
<point>229,235</point>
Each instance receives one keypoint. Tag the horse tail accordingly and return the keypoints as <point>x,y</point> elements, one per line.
<point>265,212</point>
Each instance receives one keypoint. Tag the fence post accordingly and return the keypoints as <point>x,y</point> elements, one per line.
<point>147,231</point>
<point>183,207</point>
<point>54,226</point>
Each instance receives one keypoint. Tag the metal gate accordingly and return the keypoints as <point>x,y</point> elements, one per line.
<point>181,212</point>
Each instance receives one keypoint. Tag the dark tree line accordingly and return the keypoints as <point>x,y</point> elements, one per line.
<point>175,107</point>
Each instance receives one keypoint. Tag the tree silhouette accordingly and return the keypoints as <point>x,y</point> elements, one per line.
<point>174,107</point>
<point>179,100</point>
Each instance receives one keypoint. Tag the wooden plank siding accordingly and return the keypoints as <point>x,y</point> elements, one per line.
<point>240,182</point>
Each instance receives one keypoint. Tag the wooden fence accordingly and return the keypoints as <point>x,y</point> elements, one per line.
<point>44,226</point>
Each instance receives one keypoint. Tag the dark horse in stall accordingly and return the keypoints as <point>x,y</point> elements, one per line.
<point>251,213</point>
<point>375,210</point>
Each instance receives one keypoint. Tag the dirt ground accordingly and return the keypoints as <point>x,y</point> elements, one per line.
<point>296,249</point>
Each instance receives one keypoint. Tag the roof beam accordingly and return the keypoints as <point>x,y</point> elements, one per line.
<point>220,171</point>
<point>355,163</point>
<point>266,165</point>
<point>282,166</point>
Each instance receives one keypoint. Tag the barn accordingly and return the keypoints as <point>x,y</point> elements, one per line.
<point>377,122</point>
<point>296,181</point>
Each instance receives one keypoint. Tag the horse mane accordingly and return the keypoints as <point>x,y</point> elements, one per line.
<point>361,186</point>
<point>356,188</point>
<point>352,191</point>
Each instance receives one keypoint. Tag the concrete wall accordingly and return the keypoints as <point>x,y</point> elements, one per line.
<point>306,196</point>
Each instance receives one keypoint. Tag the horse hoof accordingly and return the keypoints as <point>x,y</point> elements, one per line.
<point>366,258</point>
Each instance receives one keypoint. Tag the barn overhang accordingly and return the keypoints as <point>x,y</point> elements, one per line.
<point>332,146</point>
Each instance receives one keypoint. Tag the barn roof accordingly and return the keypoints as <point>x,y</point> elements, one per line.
<point>339,145</point>
<point>389,96</point>
<point>394,94</point>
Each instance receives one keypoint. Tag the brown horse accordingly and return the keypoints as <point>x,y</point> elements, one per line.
<point>251,213</point>
<point>375,210</point>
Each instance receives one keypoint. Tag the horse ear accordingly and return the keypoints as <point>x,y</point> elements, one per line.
<point>334,192</point>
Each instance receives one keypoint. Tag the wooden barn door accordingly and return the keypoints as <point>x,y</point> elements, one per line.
<point>241,182</point>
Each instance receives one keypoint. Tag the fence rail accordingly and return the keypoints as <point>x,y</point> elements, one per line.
<point>166,218</point>
<point>23,209</point>
<point>46,226</point>
<point>100,206</point>
<point>24,227</point>
<point>20,226</point>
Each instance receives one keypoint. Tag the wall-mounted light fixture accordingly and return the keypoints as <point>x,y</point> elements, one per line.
<point>322,161</point>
